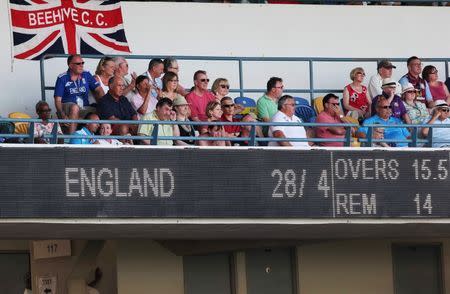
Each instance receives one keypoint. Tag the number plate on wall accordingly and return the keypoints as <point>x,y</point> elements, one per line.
<point>51,248</point>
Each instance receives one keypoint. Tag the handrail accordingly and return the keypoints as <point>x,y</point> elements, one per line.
<point>241,90</point>
<point>252,139</point>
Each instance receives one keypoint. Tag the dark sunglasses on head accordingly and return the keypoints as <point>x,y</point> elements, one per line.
<point>78,63</point>
<point>228,105</point>
<point>204,80</point>
<point>225,86</point>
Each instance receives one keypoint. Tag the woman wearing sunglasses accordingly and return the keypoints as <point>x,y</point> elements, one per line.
<point>356,99</point>
<point>438,89</point>
<point>417,111</point>
<point>221,88</point>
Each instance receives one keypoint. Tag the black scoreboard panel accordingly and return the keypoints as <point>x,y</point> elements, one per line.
<point>219,183</point>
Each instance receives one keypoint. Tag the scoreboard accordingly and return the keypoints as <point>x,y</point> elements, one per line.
<point>129,182</point>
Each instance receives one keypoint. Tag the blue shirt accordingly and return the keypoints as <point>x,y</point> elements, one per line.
<point>121,109</point>
<point>71,90</point>
<point>389,133</point>
<point>440,133</point>
<point>83,132</point>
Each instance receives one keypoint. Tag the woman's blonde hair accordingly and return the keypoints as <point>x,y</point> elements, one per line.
<point>354,71</point>
<point>216,84</point>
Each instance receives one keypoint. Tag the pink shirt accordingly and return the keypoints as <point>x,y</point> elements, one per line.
<point>198,104</point>
<point>324,133</point>
<point>438,92</point>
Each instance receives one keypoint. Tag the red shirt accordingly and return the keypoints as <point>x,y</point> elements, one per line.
<point>324,133</point>
<point>356,99</point>
<point>231,129</point>
<point>198,104</point>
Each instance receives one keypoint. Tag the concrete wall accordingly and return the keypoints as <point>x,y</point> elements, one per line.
<point>356,266</point>
<point>144,266</point>
<point>248,30</point>
<point>346,267</point>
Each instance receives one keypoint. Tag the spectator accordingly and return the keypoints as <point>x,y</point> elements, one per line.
<point>200,96</point>
<point>286,110</point>
<point>72,91</point>
<point>384,69</point>
<point>162,112</point>
<point>115,106</point>
<point>45,127</point>
<point>171,65</point>
<point>170,85</point>
<point>220,88</point>
<point>105,70</point>
<point>122,71</point>
<point>413,76</point>
<point>417,111</point>
<point>332,114</point>
<point>378,134</point>
<point>267,104</point>
<point>214,111</point>
<point>181,108</point>
<point>88,130</point>
<point>141,100</point>
<point>356,100</point>
<point>228,106</point>
<point>438,89</point>
<point>384,116</point>
<point>447,82</point>
<point>440,116</point>
<point>397,106</point>
<point>106,130</point>
<point>214,131</point>
<point>154,72</point>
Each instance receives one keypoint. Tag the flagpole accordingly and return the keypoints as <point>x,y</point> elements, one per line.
<point>11,36</point>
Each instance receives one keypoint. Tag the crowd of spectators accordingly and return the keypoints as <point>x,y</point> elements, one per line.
<point>156,95</point>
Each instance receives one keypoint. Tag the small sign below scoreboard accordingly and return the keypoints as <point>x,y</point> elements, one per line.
<point>51,248</point>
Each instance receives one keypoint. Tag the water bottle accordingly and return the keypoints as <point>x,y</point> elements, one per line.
<point>80,102</point>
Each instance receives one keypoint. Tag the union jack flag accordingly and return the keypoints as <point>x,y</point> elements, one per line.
<point>67,27</point>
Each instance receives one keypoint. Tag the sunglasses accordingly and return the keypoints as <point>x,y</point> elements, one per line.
<point>385,107</point>
<point>361,73</point>
<point>204,80</point>
<point>78,63</point>
<point>444,109</point>
<point>228,105</point>
<point>335,104</point>
<point>225,86</point>
<point>45,110</point>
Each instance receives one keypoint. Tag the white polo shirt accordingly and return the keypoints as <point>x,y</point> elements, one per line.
<point>288,131</point>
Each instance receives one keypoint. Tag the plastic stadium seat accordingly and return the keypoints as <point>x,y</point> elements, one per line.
<point>306,113</point>
<point>248,103</point>
<point>301,101</point>
<point>318,105</point>
<point>20,127</point>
